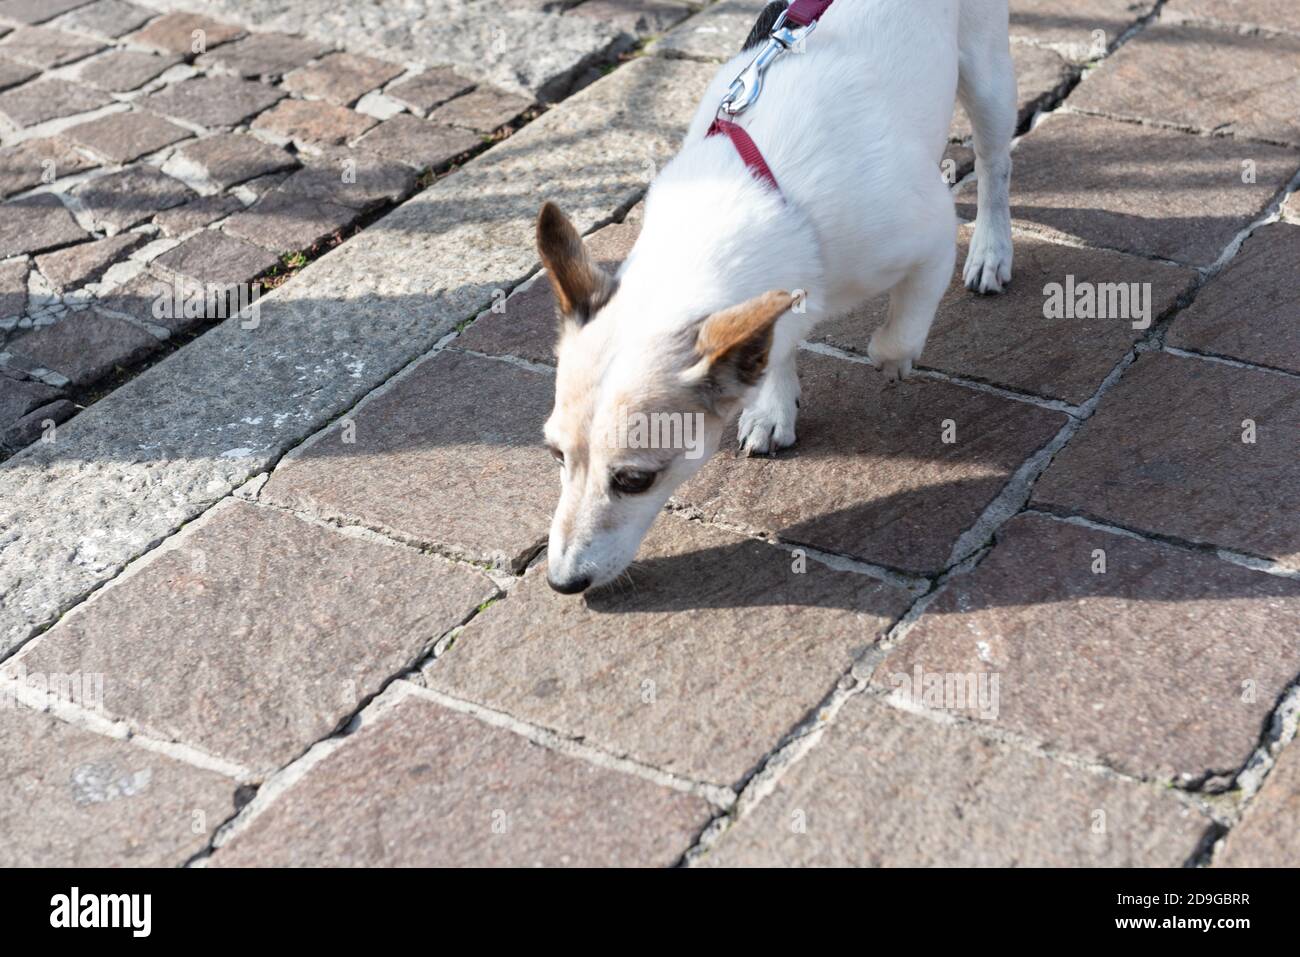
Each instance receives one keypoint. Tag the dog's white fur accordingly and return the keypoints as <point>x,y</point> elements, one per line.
<point>853,130</point>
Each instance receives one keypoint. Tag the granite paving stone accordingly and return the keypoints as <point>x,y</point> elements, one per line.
<point>184,33</point>
<point>85,347</point>
<point>48,98</point>
<point>213,100</point>
<point>350,178</point>
<point>1192,76</point>
<point>890,789</point>
<point>36,11</point>
<point>418,143</point>
<point>106,18</point>
<point>1249,310</point>
<point>1267,835</point>
<point>120,200</point>
<point>341,78</point>
<point>17,398</point>
<point>36,424</point>
<point>1139,189</point>
<point>44,48</point>
<point>137,297</point>
<point>283,222</point>
<point>12,72</point>
<point>717,33</point>
<point>227,159</point>
<point>637,18</point>
<point>1164,453</point>
<point>312,121</point>
<point>13,287</point>
<point>484,110</point>
<point>1041,75</point>
<point>185,655</point>
<point>32,162</point>
<point>524,324</point>
<point>262,54</point>
<point>196,214</point>
<point>36,223</point>
<point>430,89</point>
<point>500,800</point>
<point>119,71</point>
<point>74,266</point>
<point>1270,14</point>
<point>452,458</point>
<point>1021,340</point>
<point>78,799</point>
<point>1087,634</point>
<point>720,647</point>
<point>123,137</point>
<point>890,489</point>
<point>212,257</point>
<point>1071,26</point>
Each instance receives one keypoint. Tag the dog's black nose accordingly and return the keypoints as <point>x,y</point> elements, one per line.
<point>570,587</point>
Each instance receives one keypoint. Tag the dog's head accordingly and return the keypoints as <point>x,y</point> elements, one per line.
<point>642,397</point>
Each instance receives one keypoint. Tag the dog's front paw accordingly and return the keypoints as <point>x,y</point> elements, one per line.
<point>988,264</point>
<point>767,427</point>
<point>892,361</point>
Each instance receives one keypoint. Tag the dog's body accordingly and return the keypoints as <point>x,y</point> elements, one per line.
<point>853,130</point>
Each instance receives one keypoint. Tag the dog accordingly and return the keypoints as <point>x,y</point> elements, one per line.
<point>728,275</point>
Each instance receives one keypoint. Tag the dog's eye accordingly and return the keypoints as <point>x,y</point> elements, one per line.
<point>632,481</point>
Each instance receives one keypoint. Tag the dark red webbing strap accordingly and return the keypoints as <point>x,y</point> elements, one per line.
<point>804,12</point>
<point>747,149</point>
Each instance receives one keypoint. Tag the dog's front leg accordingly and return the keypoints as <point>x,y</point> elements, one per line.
<point>768,421</point>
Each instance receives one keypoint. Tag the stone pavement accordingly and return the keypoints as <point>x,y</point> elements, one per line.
<point>280,598</point>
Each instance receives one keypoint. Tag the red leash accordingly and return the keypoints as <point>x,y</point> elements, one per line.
<point>745,89</point>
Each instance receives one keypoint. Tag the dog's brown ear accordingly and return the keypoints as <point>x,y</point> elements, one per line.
<point>733,344</point>
<point>581,287</point>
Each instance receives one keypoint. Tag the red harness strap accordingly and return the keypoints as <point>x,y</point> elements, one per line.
<point>801,13</point>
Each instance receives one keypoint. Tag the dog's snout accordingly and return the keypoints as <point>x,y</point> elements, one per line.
<point>570,586</point>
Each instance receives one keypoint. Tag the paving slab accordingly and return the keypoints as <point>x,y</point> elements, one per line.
<point>430,88</point>
<point>45,48</point>
<point>36,425</point>
<point>184,33</point>
<point>1248,311</point>
<point>1058,330</point>
<point>121,200</point>
<point>483,110</point>
<point>1193,477</point>
<point>123,137</point>
<point>1139,189</point>
<point>119,71</point>
<point>48,98</point>
<point>719,647</point>
<point>183,653</point>
<point>36,11</point>
<point>213,100</point>
<point>12,72</point>
<point>79,799</point>
<point>284,222</point>
<point>1267,835</point>
<point>85,347</point>
<point>524,324</point>
<point>35,223</point>
<point>717,33</point>
<point>1269,14</point>
<point>196,214</point>
<point>1041,76</point>
<point>1191,76</point>
<point>105,18</point>
<point>351,178</point>
<point>261,55</point>
<point>177,438</point>
<point>889,789</point>
<point>74,266</point>
<point>17,398</point>
<point>341,78</point>
<point>1079,29</point>
<point>636,18</point>
<point>13,287</point>
<point>226,159</point>
<point>312,121</point>
<point>212,257</point>
<point>497,800</point>
<point>418,143</point>
<point>1085,636</point>
<point>890,490</point>
<point>452,457</point>
<point>32,162</point>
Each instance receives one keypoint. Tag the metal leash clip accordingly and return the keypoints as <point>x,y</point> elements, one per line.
<point>746,87</point>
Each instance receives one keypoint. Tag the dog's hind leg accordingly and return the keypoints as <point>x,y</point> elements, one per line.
<point>898,341</point>
<point>987,89</point>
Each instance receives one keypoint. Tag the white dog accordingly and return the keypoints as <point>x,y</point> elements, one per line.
<point>853,127</point>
